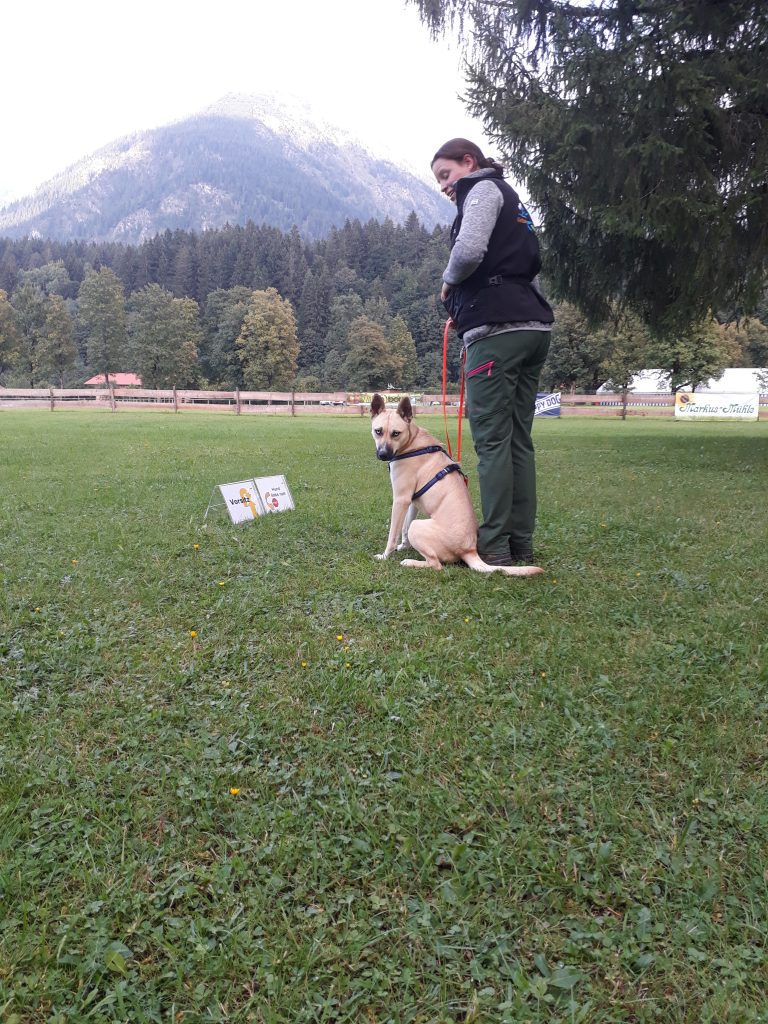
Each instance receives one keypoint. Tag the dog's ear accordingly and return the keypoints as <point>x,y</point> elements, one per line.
<point>377,405</point>
<point>404,410</point>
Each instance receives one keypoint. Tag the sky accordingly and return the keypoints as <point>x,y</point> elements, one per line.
<point>79,75</point>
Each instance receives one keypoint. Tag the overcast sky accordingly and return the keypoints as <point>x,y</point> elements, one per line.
<point>76,76</point>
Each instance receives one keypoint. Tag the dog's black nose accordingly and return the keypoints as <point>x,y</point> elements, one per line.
<point>385,453</point>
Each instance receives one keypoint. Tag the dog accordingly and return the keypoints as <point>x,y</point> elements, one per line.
<point>424,478</point>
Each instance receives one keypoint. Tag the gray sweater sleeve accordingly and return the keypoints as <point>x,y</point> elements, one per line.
<point>481,211</point>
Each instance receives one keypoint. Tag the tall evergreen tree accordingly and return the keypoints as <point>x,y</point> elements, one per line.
<point>640,128</point>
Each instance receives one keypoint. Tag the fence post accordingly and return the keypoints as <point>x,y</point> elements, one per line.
<point>53,401</point>
<point>293,403</point>
<point>237,401</point>
<point>175,399</point>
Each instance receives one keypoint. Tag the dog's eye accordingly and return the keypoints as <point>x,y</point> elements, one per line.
<point>396,433</point>
<point>378,431</point>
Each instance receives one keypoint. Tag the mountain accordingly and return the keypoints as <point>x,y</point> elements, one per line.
<point>244,158</point>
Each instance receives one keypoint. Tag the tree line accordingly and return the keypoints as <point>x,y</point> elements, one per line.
<point>257,308</point>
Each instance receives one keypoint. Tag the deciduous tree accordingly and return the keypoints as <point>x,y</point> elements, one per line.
<point>225,310</point>
<point>9,334</point>
<point>268,342</point>
<point>31,305</point>
<point>56,353</point>
<point>576,353</point>
<point>165,335</point>
<point>371,362</point>
<point>692,356</point>
<point>628,345</point>
<point>101,313</point>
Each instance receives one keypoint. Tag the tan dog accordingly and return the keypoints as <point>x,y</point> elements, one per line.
<point>416,462</point>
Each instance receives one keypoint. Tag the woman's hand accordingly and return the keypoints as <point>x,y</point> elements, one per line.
<point>444,291</point>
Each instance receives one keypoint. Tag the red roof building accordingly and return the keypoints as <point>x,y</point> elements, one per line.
<point>118,380</point>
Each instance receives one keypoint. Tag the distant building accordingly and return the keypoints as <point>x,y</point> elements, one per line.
<point>735,380</point>
<point>118,380</point>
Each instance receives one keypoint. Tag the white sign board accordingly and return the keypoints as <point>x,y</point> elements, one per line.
<point>242,500</point>
<point>273,493</point>
<point>692,406</point>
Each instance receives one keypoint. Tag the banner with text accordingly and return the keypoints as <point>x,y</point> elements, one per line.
<point>548,405</point>
<point>691,406</point>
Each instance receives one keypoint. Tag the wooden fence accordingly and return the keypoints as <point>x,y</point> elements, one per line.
<point>298,402</point>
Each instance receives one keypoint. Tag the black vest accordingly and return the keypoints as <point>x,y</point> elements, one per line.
<point>500,290</point>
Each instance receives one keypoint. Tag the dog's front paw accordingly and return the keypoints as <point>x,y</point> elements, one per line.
<point>381,557</point>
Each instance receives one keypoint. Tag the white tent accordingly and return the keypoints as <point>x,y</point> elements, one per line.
<point>735,380</point>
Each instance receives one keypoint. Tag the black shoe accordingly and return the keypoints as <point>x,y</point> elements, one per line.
<point>495,558</point>
<point>519,556</point>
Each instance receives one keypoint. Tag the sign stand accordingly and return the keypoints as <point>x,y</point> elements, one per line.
<point>245,500</point>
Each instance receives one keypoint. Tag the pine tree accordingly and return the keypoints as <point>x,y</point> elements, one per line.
<point>641,132</point>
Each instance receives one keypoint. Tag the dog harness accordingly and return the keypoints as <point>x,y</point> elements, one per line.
<point>454,467</point>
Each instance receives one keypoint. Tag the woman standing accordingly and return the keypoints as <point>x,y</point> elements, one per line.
<point>491,293</point>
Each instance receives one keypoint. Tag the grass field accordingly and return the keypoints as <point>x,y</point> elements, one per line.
<point>251,774</point>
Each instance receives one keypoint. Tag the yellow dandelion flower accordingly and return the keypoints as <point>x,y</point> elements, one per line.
<point>38,609</point>
<point>193,633</point>
<point>195,547</point>
<point>543,675</point>
<point>638,574</point>
<point>339,636</point>
<point>74,561</point>
<point>347,665</point>
<point>466,618</point>
<point>303,664</point>
<point>234,790</point>
<point>221,583</point>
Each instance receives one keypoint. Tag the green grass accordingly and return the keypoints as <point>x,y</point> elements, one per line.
<point>492,800</point>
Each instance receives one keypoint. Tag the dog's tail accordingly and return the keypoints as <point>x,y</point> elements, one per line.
<point>474,561</point>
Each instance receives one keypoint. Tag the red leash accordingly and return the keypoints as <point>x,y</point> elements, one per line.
<point>448,326</point>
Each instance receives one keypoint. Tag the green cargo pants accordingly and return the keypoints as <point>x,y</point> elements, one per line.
<point>502,378</point>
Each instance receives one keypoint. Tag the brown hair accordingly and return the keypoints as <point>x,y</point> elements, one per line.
<point>457,149</point>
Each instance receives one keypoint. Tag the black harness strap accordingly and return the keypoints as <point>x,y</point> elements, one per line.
<point>430,450</point>
<point>453,468</point>
<point>420,451</point>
